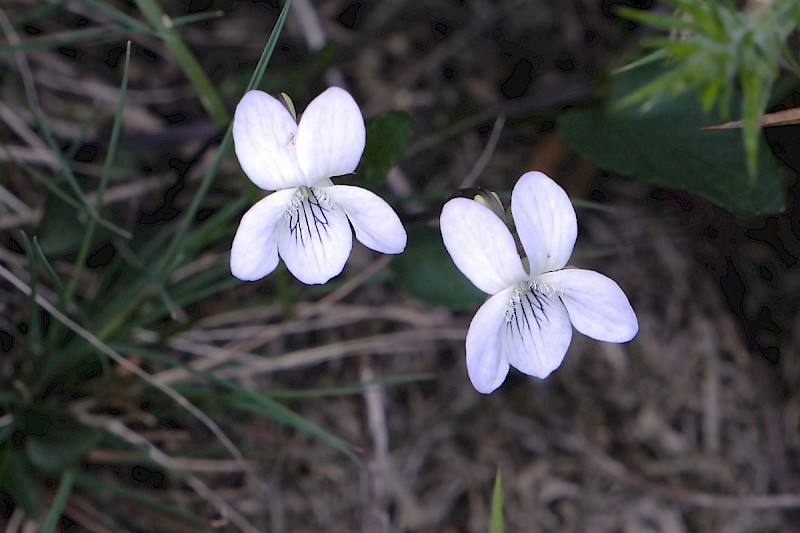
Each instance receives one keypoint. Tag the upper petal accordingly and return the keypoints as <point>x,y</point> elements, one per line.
<point>254,253</point>
<point>545,221</point>
<point>331,136</point>
<point>377,225</point>
<point>264,136</point>
<point>486,364</point>
<point>597,306</point>
<point>315,239</point>
<point>536,334</point>
<point>481,245</point>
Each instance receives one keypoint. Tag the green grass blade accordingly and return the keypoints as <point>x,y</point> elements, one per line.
<point>197,17</point>
<point>177,244</point>
<point>112,152</point>
<point>657,20</point>
<point>67,39</point>
<point>49,268</point>
<point>263,61</point>
<point>186,60</point>
<point>63,196</point>
<point>111,491</point>
<point>64,490</point>
<point>119,16</point>
<point>36,13</point>
<point>34,336</point>
<point>652,57</point>
<point>257,403</point>
<point>243,399</point>
<point>497,525</point>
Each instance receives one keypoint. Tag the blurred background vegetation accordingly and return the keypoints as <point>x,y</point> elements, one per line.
<point>143,388</point>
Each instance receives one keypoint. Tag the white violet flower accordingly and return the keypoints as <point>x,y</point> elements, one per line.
<point>305,220</point>
<point>526,321</point>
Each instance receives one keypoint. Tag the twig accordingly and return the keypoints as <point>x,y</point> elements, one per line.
<point>389,343</point>
<point>375,469</point>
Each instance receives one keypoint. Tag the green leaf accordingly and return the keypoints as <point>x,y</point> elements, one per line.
<point>497,504</point>
<point>54,442</point>
<point>387,138</point>
<point>21,484</point>
<point>667,146</point>
<point>426,272</point>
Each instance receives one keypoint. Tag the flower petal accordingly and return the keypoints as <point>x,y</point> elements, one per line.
<point>596,305</point>
<point>264,136</point>
<point>481,245</point>
<point>254,253</point>
<point>486,364</point>
<point>316,239</point>
<point>545,221</point>
<point>331,136</point>
<point>536,334</point>
<point>377,225</point>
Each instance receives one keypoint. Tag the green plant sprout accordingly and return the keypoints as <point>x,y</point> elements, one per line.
<point>718,51</point>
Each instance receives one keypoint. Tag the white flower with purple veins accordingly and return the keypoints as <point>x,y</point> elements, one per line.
<point>305,220</point>
<point>527,322</point>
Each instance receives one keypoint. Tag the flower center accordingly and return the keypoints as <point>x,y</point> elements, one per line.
<point>307,214</point>
<point>528,305</point>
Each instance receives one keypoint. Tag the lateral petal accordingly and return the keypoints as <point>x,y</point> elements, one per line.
<point>481,245</point>
<point>596,305</point>
<point>264,137</point>
<point>316,239</point>
<point>331,136</point>
<point>254,252</point>
<point>545,220</point>
<point>536,334</point>
<point>377,225</point>
<point>486,364</point>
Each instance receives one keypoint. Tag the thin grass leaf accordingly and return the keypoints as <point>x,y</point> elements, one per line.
<point>186,60</point>
<point>120,16</point>
<point>64,490</point>
<point>64,169</point>
<point>652,57</point>
<point>99,345</point>
<point>243,399</point>
<point>263,61</point>
<point>497,525</point>
<point>657,20</point>
<point>106,488</point>
<point>582,203</point>
<point>261,404</point>
<point>663,83</point>
<point>36,13</point>
<point>56,279</point>
<point>197,17</point>
<point>88,235</point>
<point>34,336</point>
<point>177,244</point>
<point>63,196</point>
<point>66,40</point>
<point>754,100</point>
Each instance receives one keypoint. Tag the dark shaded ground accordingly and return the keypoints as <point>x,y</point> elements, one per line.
<point>693,426</point>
